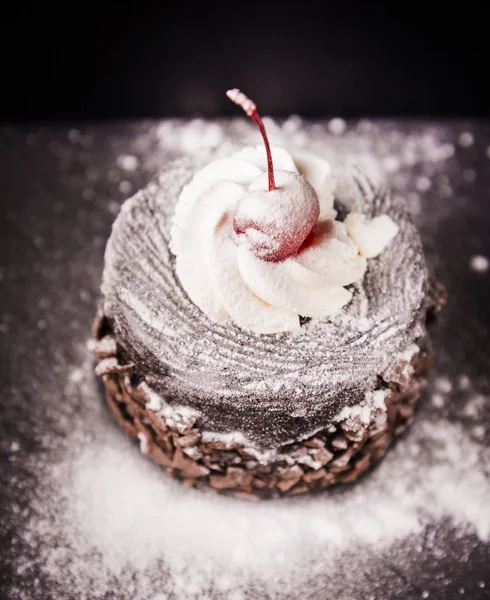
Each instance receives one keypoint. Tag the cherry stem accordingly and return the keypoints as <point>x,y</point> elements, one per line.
<point>250,109</point>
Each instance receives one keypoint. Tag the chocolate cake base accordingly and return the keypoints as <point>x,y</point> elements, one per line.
<point>338,453</point>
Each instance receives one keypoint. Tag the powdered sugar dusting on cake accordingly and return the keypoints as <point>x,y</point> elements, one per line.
<point>181,417</point>
<point>371,408</point>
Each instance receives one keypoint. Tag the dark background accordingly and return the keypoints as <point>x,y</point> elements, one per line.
<point>91,61</point>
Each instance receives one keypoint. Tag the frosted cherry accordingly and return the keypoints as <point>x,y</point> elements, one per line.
<point>279,212</point>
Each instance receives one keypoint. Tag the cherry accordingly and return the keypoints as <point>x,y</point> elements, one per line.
<point>276,222</point>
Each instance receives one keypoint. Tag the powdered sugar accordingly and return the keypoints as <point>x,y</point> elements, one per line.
<point>466,139</point>
<point>371,408</point>
<point>128,162</point>
<point>228,439</point>
<point>53,554</point>
<point>111,521</point>
<point>479,263</point>
<point>181,417</point>
<point>337,126</point>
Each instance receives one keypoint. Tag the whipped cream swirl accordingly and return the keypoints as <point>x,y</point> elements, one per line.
<point>261,258</point>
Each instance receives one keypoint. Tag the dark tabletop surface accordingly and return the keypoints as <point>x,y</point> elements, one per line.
<point>60,188</point>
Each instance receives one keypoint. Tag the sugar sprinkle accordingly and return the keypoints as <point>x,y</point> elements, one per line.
<point>110,519</point>
<point>479,263</point>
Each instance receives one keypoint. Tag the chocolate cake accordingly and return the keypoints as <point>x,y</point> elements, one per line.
<point>259,414</point>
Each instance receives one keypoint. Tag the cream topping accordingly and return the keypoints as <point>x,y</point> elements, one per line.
<point>263,258</point>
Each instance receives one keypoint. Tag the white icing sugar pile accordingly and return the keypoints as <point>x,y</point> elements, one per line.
<point>108,521</point>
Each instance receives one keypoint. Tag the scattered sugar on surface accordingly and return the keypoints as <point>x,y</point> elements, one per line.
<point>128,162</point>
<point>423,183</point>
<point>365,126</point>
<point>466,139</point>
<point>409,160</point>
<point>443,384</point>
<point>469,175</point>
<point>74,136</point>
<point>479,432</point>
<point>195,135</point>
<point>391,164</point>
<point>479,263</point>
<point>438,400</point>
<point>463,382</point>
<point>113,207</point>
<point>308,547</point>
<point>337,126</point>
<point>125,187</point>
<point>106,518</point>
<point>77,375</point>
<point>88,194</point>
<point>474,406</point>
